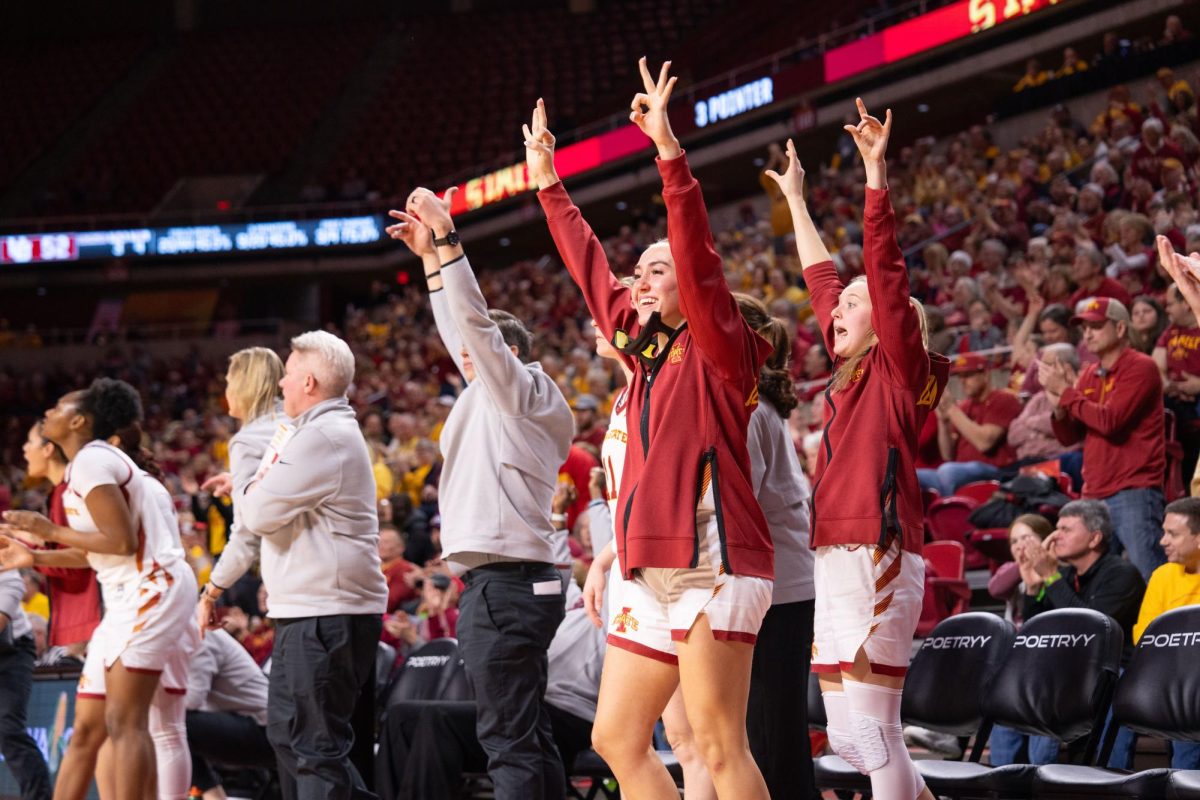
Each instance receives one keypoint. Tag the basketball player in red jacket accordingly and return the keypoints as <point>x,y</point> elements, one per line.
<point>692,541</point>
<point>866,505</point>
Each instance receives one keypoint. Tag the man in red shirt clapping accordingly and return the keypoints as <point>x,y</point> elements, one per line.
<point>1115,407</point>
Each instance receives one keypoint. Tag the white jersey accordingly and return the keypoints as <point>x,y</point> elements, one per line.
<point>150,505</point>
<point>612,452</point>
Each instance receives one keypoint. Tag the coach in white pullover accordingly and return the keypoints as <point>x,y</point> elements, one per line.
<point>314,508</point>
<point>503,443</point>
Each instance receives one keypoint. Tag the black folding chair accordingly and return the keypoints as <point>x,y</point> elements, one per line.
<point>942,690</point>
<point>1057,682</point>
<point>1159,695</point>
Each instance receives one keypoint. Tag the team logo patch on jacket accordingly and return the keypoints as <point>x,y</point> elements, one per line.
<point>929,393</point>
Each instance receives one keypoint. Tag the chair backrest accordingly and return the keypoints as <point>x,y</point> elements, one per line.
<point>947,558</point>
<point>949,518</point>
<point>1059,676</point>
<point>425,673</point>
<point>385,663</point>
<point>979,491</point>
<point>951,672</point>
<point>1159,694</point>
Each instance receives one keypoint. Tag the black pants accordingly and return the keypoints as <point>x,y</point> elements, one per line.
<point>18,749</point>
<point>504,629</point>
<point>228,739</point>
<point>777,711</point>
<point>426,746</point>
<point>317,668</point>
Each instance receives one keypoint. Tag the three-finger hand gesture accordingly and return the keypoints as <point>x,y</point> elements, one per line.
<point>432,210</point>
<point>791,182</point>
<point>871,137</point>
<point>412,232</point>
<point>539,148</point>
<point>649,109</point>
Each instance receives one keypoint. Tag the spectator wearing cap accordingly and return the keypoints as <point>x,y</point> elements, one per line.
<point>1115,407</point>
<point>1087,270</point>
<point>1075,567</point>
<point>972,435</point>
<point>1154,149</point>
<point>1174,585</point>
<point>589,427</point>
<point>1177,355</point>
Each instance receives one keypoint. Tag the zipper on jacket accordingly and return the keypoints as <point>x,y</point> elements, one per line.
<point>887,500</point>
<point>812,500</point>
<point>716,492</point>
<point>644,428</point>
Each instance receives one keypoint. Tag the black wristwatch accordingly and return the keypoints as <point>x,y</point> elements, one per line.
<point>449,240</point>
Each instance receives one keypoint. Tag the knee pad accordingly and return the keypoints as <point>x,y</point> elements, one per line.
<point>839,730</point>
<point>844,744</point>
<point>871,742</point>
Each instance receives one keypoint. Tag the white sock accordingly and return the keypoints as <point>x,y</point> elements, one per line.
<point>168,729</point>
<point>875,726</point>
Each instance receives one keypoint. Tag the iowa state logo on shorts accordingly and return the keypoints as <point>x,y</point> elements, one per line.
<point>624,618</point>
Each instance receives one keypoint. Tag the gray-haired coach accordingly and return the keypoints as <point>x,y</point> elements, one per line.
<point>503,443</point>
<point>314,507</point>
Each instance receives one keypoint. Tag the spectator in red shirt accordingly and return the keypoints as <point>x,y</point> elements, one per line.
<point>1087,270</point>
<point>1115,407</point>
<point>402,576</point>
<point>1155,148</point>
<point>1177,355</point>
<point>972,435</point>
<point>589,428</point>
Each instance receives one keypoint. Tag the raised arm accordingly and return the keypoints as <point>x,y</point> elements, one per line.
<point>1184,270</point>
<point>419,240</point>
<point>581,250</point>
<point>824,285</point>
<point>712,315</point>
<point>510,385</point>
<point>893,316</point>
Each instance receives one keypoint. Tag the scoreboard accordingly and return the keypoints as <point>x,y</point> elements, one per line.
<point>252,237</point>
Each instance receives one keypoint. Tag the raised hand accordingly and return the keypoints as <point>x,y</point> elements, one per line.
<point>432,210</point>
<point>871,137</point>
<point>539,148</point>
<point>14,555</point>
<point>412,232</point>
<point>791,182</point>
<point>649,109</point>
<point>1184,270</point>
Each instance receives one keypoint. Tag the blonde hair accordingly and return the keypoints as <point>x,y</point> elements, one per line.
<point>254,375</point>
<point>845,372</point>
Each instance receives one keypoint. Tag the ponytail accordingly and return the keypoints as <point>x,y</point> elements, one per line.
<point>774,380</point>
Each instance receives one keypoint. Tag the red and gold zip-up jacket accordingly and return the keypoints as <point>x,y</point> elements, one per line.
<point>866,489</point>
<point>689,410</point>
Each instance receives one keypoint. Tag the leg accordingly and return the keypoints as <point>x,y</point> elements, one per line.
<point>168,730</point>
<point>954,474</point>
<point>18,749</point>
<point>873,702</point>
<point>127,717</point>
<point>1006,745</point>
<point>778,703</point>
<point>1137,516</point>
<point>281,703</point>
<point>697,783</point>
<point>79,762</point>
<point>625,721</point>
<point>1043,750</point>
<point>929,479</point>
<point>327,660</point>
<point>715,678</point>
<point>504,631</point>
<point>106,772</point>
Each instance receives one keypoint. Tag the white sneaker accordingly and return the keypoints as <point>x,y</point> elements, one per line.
<point>943,744</point>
